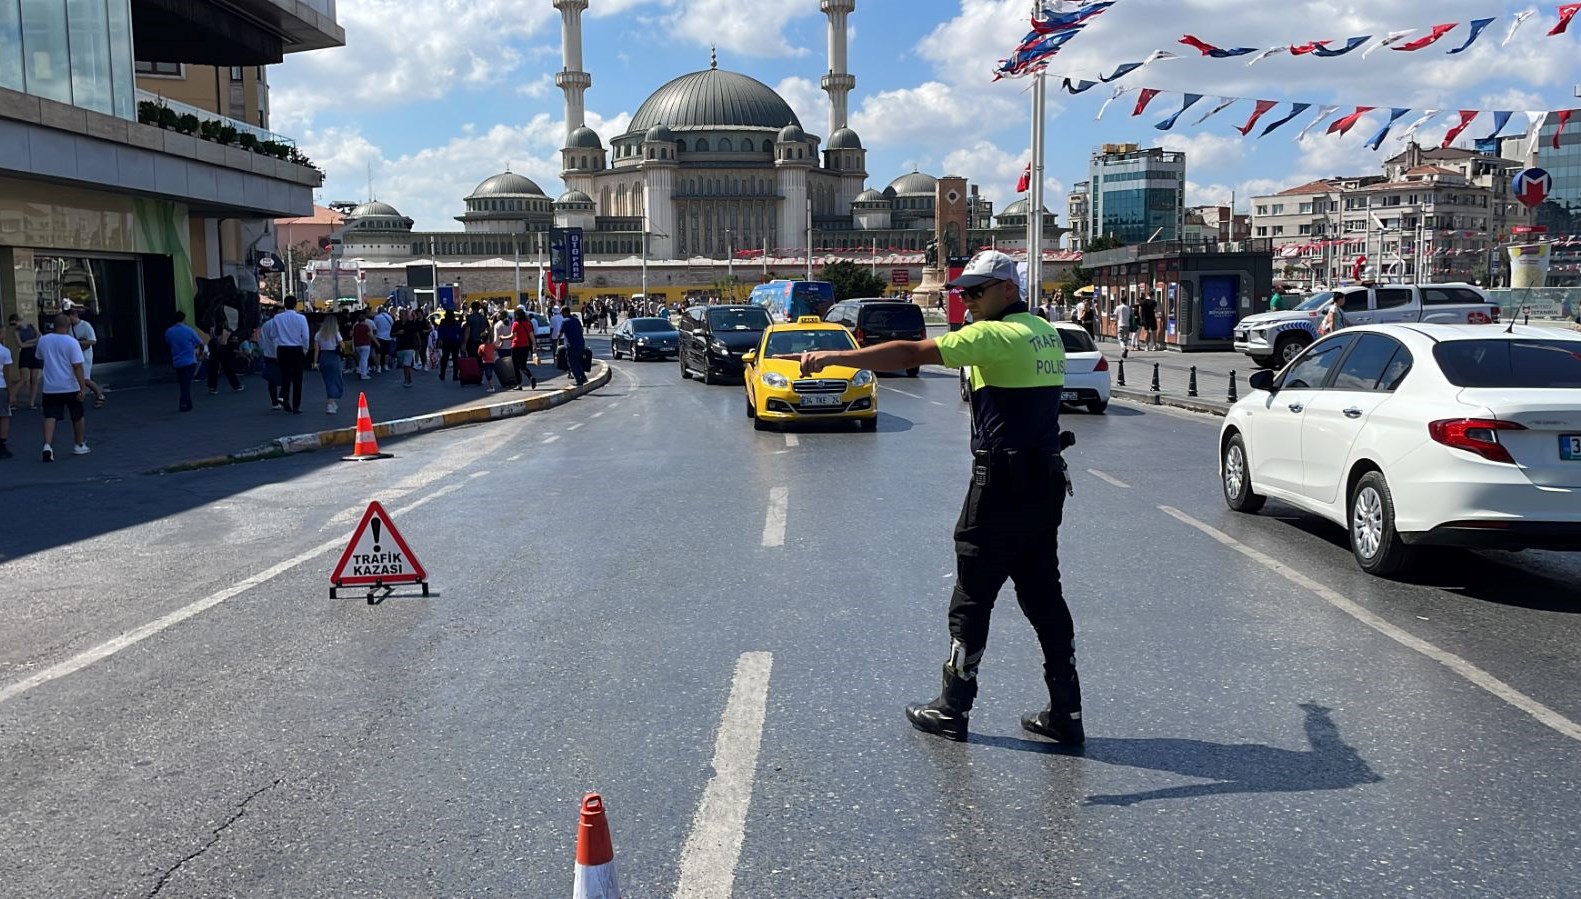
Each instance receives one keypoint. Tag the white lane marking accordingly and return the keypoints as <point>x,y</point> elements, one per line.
<point>514,458</point>
<point>597,415</point>
<point>142,632</point>
<point>713,847</point>
<point>614,404</point>
<point>1109,478</point>
<point>792,440</point>
<point>901,392</point>
<point>1544,715</point>
<point>774,518</point>
<point>575,426</point>
<point>550,439</point>
<point>935,402</point>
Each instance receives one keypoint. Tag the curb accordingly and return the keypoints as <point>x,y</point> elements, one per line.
<point>400,427</point>
<point>1149,398</point>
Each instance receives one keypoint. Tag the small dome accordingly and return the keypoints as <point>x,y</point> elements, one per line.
<point>791,133</point>
<point>573,197</point>
<point>659,133</point>
<point>507,184</point>
<point>584,138</point>
<point>844,139</point>
<point>368,210</point>
<point>871,196</point>
<point>1022,206</point>
<point>914,184</point>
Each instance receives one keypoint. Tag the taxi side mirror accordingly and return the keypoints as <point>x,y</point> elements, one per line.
<point>749,357</point>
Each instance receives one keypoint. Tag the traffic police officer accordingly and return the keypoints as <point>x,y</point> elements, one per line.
<point>1009,523</point>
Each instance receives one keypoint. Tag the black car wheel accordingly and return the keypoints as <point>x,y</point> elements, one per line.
<point>913,372</point>
<point>707,375</point>
<point>686,373</point>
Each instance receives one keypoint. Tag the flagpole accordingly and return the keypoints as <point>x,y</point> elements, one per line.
<point>1035,197</point>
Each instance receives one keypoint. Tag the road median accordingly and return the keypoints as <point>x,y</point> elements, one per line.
<point>399,427</point>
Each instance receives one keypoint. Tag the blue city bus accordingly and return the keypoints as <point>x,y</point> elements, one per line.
<point>790,300</point>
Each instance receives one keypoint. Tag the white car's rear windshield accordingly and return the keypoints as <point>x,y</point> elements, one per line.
<point>1500,363</point>
<point>1076,341</point>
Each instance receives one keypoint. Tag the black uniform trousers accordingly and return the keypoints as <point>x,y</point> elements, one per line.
<point>1009,530</point>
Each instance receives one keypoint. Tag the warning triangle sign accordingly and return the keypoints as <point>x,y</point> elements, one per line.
<point>377,554</point>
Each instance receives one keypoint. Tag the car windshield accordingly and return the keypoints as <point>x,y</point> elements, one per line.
<point>787,342</point>
<point>1076,341</point>
<point>738,319</point>
<point>1315,301</point>
<point>892,317</point>
<point>650,325</point>
<point>1511,363</point>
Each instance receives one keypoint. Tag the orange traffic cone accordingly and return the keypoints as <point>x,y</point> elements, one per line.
<point>595,854</point>
<point>367,447</point>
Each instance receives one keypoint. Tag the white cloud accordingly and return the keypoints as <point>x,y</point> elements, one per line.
<point>808,101</point>
<point>749,27</point>
<point>930,114</point>
<point>1205,152</point>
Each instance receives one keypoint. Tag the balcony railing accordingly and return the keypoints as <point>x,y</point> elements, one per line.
<point>241,127</point>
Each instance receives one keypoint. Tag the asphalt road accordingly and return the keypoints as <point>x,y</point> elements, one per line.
<point>638,594</point>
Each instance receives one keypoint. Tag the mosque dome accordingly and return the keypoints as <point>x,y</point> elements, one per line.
<point>914,184</point>
<point>871,196</point>
<point>792,134</point>
<point>374,208</point>
<point>711,99</point>
<point>844,139</point>
<point>1022,206</point>
<point>659,133</point>
<point>573,197</point>
<point>507,184</point>
<point>584,138</point>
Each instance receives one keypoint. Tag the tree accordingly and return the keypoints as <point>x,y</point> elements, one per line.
<point>851,280</point>
<point>1081,277</point>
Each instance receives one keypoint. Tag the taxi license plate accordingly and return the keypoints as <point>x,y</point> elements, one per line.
<point>830,399</point>
<point>1570,447</point>
<point>1069,396</point>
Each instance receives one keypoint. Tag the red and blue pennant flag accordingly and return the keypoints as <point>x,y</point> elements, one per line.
<point>1120,71</point>
<point>1466,116</point>
<point>1079,86</point>
<point>1324,51</point>
<point>1054,22</point>
<point>1566,13</point>
<point>1342,126</point>
<point>1431,38</point>
<point>1187,101</point>
<point>1215,52</point>
<point>1477,26</point>
<point>1063,15</point>
<point>1395,115</point>
<point>1295,110</point>
<point>1143,99</point>
<point>1258,112</point>
<point>1500,119</point>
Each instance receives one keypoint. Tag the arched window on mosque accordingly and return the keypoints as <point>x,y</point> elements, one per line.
<point>702,145</point>
<point>768,146</point>
<point>725,146</point>
<point>680,146</point>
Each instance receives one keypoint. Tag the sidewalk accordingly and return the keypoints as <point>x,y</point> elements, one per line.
<point>139,429</point>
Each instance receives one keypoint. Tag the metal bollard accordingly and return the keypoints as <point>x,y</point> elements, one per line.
<point>1191,385</point>
<point>1232,397</point>
<point>1155,377</point>
<point>1121,374</point>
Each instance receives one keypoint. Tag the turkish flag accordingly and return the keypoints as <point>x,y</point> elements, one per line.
<point>1566,13</point>
<point>1563,116</point>
<point>1024,183</point>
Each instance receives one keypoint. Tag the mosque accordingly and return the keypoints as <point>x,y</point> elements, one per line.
<point>714,168</point>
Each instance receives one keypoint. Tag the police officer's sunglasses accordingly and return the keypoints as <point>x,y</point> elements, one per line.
<point>972,293</point>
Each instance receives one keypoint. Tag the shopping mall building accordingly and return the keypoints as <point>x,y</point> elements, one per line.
<point>118,194</point>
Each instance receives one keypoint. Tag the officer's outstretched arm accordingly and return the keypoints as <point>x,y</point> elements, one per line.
<point>892,356</point>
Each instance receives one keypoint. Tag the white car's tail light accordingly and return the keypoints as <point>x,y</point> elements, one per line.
<point>1103,364</point>
<point>1476,435</point>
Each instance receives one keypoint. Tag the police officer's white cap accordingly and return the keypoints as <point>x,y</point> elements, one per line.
<point>989,265</point>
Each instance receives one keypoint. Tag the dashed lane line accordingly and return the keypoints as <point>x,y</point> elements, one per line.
<point>575,426</point>
<point>713,846</point>
<point>1477,676</point>
<point>550,439</point>
<point>774,517</point>
<point>792,440</point>
<point>902,392</point>
<point>1108,478</point>
<point>138,634</point>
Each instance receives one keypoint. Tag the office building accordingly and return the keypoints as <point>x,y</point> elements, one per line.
<point>1134,194</point>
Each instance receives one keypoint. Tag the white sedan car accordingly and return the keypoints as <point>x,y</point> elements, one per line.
<point>1418,435</point>
<point>1086,370</point>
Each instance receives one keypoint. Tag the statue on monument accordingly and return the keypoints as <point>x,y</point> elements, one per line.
<point>952,241</point>
<point>930,253</point>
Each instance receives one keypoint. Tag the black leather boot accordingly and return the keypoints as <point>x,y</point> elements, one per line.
<point>946,716</point>
<point>1061,721</point>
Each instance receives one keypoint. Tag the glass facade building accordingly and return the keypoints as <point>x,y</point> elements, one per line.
<point>71,51</point>
<point>1136,195</point>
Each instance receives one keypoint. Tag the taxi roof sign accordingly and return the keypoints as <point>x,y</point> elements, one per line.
<point>809,320</point>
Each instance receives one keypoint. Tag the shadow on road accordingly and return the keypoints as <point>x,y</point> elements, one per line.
<point>1330,763</point>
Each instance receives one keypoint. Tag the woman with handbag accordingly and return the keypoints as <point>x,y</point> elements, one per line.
<point>1334,319</point>
<point>327,359</point>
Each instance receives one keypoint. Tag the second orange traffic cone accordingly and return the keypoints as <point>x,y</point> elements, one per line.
<point>595,854</point>
<point>367,445</point>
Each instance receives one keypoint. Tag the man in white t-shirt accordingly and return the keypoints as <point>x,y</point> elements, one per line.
<point>7,396</point>
<point>64,385</point>
<point>86,338</point>
<point>384,333</point>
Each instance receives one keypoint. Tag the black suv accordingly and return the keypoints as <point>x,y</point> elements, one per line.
<point>880,321</point>
<point>713,338</point>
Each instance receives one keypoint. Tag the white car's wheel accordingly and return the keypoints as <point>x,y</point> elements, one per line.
<point>1237,478</point>
<point>1373,539</point>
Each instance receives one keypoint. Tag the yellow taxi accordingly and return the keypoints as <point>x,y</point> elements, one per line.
<point>778,394</point>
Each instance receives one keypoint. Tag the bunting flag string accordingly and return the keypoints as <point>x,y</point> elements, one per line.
<point>1389,40</point>
<point>1563,117</point>
<point>1515,25</point>
<point>1566,13</point>
<point>1535,119</point>
<point>1145,98</point>
<point>1326,52</point>
<point>1215,52</point>
<point>1054,23</point>
<point>1500,119</point>
<point>1477,26</point>
<point>1261,108</point>
<point>1342,126</point>
<point>1223,104</point>
<point>1119,92</point>
<point>1395,115</point>
<point>1427,116</point>
<point>1432,38</point>
<point>1466,115</point>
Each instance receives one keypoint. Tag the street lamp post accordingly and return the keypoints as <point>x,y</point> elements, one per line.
<point>730,263</point>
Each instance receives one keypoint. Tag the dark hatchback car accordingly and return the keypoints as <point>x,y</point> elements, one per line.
<point>880,321</point>
<point>641,337</point>
<point>713,339</point>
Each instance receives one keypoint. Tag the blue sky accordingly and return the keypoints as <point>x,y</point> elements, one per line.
<point>433,96</point>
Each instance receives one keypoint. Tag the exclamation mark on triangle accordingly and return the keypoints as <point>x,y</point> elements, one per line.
<point>375,524</point>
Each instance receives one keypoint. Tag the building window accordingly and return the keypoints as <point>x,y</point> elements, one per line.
<point>725,146</point>
<point>1279,230</point>
<point>162,69</point>
<point>680,146</point>
<point>236,73</point>
<point>768,146</point>
<point>1262,231</point>
<point>702,145</point>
